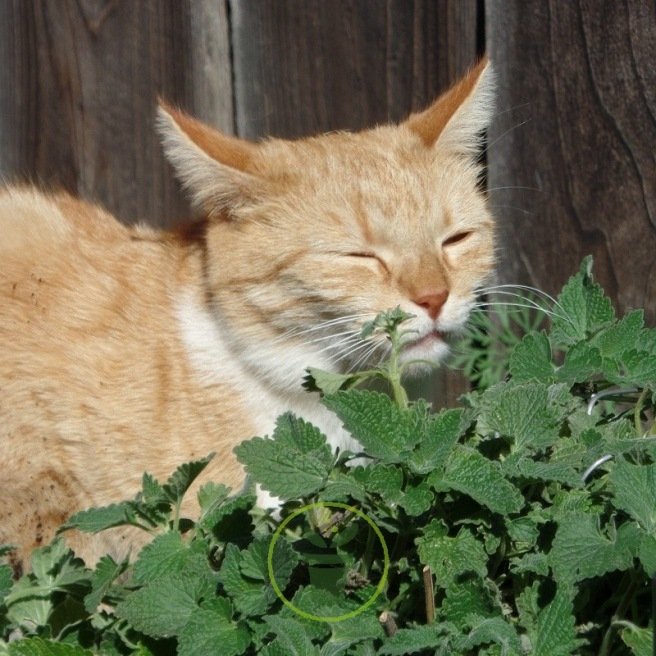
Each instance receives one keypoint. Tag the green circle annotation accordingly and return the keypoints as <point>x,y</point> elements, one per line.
<point>359,609</point>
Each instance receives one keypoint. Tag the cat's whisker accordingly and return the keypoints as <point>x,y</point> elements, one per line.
<point>351,333</point>
<point>364,356</point>
<point>515,187</point>
<point>324,325</point>
<point>347,341</point>
<point>533,290</point>
<point>485,305</point>
<point>504,133</point>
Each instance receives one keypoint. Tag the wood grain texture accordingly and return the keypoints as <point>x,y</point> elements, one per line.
<point>79,85</point>
<point>572,160</point>
<point>305,66</point>
<point>308,66</point>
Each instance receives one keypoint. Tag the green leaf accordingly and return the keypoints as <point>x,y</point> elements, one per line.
<point>163,607</point>
<point>639,640</point>
<point>328,382</point>
<point>182,478</point>
<point>442,433</point>
<point>295,463</point>
<point>95,520</point>
<point>647,554</point>
<point>417,499</point>
<point>411,641</point>
<point>39,647</point>
<point>634,491</point>
<point>582,308</point>
<point>582,362</point>
<point>487,630</point>
<point>621,336</point>
<point>106,572</point>
<point>385,480</point>
<point>211,495</point>
<point>6,582</point>
<point>471,473</point>
<point>291,635</point>
<point>556,632</point>
<point>470,596</point>
<point>209,631</point>
<point>522,412</point>
<point>449,557</point>
<point>342,487</point>
<point>245,578</point>
<point>254,563</point>
<point>385,431</point>
<point>581,550</point>
<point>531,359</point>
<point>168,554</point>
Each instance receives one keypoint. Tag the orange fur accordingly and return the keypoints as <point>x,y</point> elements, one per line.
<point>127,349</point>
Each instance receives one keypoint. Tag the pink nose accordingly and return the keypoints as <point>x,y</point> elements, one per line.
<point>432,302</point>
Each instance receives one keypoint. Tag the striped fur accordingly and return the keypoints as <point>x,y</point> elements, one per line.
<point>127,349</point>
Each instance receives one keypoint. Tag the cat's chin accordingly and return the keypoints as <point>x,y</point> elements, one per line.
<point>424,352</point>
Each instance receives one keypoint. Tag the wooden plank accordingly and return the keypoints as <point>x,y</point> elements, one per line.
<point>308,66</point>
<point>84,76</point>
<point>571,163</point>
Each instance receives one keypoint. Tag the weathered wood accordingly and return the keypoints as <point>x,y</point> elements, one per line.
<point>304,66</point>
<point>308,66</point>
<point>572,165</point>
<point>78,89</point>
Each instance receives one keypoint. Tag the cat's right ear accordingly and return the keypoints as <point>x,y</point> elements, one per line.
<point>214,167</point>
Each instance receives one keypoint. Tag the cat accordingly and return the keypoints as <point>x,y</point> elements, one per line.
<point>128,349</point>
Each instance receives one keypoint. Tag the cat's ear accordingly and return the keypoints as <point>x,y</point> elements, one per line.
<point>214,167</point>
<point>456,119</point>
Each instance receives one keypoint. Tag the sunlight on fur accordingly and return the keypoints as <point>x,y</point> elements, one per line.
<point>128,349</point>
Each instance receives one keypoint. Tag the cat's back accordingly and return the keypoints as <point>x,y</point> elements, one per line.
<point>34,225</point>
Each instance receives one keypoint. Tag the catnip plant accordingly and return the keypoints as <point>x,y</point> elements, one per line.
<point>521,522</point>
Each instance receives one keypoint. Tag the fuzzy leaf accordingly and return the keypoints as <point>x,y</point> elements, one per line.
<point>442,433</point>
<point>411,641</point>
<point>556,631</point>
<point>295,463</point>
<point>327,382</point>
<point>182,478</point>
<point>385,431</point>
<point>449,557</point>
<point>640,641</point>
<point>582,362</point>
<point>523,413</point>
<point>634,491</point>
<point>582,307</point>
<point>209,631</point>
<point>106,572</point>
<point>621,336</point>
<point>291,635</point>
<point>95,520</point>
<point>580,550</point>
<point>163,607</point>
<point>39,647</point>
<point>471,473</point>
<point>531,359</point>
<point>168,554</point>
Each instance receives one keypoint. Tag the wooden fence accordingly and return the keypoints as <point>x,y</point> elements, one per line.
<point>572,166</point>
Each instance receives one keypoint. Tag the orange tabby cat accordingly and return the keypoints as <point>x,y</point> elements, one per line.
<point>129,349</point>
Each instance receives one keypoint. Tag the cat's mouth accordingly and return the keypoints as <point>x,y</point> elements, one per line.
<point>429,339</point>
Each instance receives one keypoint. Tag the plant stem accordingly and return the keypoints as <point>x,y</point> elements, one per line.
<point>625,601</point>
<point>394,373</point>
<point>636,413</point>
<point>429,594</point>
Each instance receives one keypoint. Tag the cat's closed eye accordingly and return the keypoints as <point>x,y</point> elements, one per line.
<point>457,238</point>
<point>368,255</point>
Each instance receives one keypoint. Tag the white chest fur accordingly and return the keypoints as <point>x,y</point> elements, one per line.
<point>215,363</point>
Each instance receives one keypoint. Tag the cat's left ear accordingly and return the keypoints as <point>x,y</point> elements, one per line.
<point>454,122</point>
<point>214,167</point>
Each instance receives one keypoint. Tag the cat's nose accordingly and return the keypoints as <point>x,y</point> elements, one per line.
<point>432,302</point>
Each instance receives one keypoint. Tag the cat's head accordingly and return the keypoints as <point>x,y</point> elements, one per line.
<point>306,240</point>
